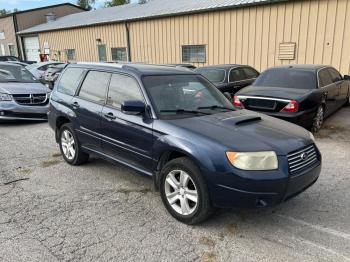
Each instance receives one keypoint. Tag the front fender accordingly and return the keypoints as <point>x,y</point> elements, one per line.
<point>203,154</point>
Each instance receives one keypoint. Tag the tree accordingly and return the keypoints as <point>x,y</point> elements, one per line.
<point>4,12</point>
<point>116,2</point>
<point>86,4</point>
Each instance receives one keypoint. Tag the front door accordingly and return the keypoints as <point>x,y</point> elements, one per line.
<point>128,138</point>
<point>102,53</point>
<point>88,106</point>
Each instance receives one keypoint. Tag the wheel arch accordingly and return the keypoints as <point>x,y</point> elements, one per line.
<point>60,121</point>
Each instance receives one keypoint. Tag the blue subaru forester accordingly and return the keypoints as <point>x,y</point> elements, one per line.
<point>175,126</point>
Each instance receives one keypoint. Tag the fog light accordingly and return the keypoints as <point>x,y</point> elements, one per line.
<point>2,113</point>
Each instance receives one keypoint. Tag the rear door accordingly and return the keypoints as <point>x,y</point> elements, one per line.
<point>238,79</point>
<point>87,106</point>
<point>329,89</point>
<point>128,138</point>
<point>342,86</point>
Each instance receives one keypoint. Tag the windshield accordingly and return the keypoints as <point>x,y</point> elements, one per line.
<point>288,78</point>
<point>15,73</point>
<point>185,95</point>
<point>213,74</point>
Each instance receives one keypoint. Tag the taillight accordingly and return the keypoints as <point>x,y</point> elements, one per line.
<point>237,103</point>
<point>292,107</point>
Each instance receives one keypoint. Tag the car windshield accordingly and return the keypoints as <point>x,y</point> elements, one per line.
<point>213,74</point>
<point>15,73</point>
<point>184,96</point>
<point>288,78</point>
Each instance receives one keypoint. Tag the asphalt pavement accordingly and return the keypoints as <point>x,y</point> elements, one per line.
<point>50,211</point>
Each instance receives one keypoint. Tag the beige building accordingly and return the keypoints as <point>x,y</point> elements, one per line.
<point>259,33</point>
<point>12,23</point>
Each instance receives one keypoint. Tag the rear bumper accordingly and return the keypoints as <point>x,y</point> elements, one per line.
<point>303,118</point>
<point>249,193</point>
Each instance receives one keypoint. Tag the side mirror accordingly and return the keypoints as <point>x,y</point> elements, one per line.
<point>133,107</point>
<point>228,96</point>
<point>347,77</point>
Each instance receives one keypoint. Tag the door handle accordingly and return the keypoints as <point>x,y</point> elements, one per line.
<point>75,105</point>
<point>110,116</point>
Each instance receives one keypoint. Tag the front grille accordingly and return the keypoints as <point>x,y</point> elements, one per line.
<point>302,159</point>
<point>31,99</point>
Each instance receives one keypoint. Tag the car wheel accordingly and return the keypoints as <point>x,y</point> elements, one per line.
<point>318,120</point>
<point>70,147</point>
<point>184,191</point>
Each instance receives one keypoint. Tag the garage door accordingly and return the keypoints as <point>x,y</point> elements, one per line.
<point>31,48</point>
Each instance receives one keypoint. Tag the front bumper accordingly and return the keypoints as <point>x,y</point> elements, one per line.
<point>11,111</point>
<point>261,190</point>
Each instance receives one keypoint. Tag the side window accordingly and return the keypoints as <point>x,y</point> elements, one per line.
<point>43,68</point>
<point>94,87</point>
<point>70,80</point>
<point>250,73</point>
<point>335,75</point>
<point>237,75</point>
<point>324,78</point>
<point>123,88</point>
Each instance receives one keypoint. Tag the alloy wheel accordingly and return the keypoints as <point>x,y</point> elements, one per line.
<point>68,144</point>
<point>319,118</point>
<point>181,192</point>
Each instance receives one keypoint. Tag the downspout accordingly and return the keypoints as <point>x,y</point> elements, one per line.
<point>128,41</point>
<point>15,24</point>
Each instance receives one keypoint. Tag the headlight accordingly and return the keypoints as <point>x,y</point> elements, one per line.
<point>312,136</point>
<point>253,160</point>
<point>5,97</point>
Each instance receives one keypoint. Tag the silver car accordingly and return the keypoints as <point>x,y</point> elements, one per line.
<point>22,96</point>
<point>39,69</point>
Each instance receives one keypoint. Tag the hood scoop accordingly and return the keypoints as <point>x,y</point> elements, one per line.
<point>240,120</point>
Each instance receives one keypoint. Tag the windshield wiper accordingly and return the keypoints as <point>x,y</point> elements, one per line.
<point>216,107</point>
<point>181,111</point>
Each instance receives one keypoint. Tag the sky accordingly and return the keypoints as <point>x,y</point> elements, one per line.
<point>29,4</point>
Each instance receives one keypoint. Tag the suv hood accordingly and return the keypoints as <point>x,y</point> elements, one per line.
<point>278,92</point>
<point>23,88</point>
<point>247,131</point>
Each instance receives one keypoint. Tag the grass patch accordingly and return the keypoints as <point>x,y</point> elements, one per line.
<point>133,190</point>
<point>25,171</point>
<point>209,257</point>
<point>56,154</point>
<point>207,242</point>
<point>49,163</point>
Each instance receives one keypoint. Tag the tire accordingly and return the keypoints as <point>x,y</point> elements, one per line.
<point>178,196</point>
<point>69,143</point>
<point>318,120</point>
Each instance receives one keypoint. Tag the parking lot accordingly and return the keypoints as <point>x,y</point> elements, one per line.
<point>106,212</point>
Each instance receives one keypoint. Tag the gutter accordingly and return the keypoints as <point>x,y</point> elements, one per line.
<point>15,24</point>
<point>128,40</point>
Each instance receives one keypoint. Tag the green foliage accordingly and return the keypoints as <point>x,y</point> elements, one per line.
<point>86,4</point>
<point>4,12</point>
<point>116,2</point>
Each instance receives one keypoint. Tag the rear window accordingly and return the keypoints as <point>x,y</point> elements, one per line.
<point>213,74</point>
<point>288,78</point>
<point>69,81</point>
<point>94,87</point>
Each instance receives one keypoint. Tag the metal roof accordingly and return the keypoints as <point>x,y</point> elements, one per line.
<point>41,8</point>
<point>135,11</point>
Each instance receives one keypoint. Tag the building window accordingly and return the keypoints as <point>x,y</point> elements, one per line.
<point>12,49</point>
<point>193,54</point>
<point>119,54</point>
<point>70,53</point>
